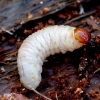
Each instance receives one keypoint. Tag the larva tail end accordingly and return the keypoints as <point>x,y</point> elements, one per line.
<point>82,35</point>
<point>41,94</point>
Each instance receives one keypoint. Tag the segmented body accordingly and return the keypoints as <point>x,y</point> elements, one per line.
<point>38,46</point>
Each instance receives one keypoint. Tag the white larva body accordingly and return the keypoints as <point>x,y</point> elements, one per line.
<point>38,46</point>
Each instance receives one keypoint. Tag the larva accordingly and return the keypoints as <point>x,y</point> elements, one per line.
<point>43,43</point>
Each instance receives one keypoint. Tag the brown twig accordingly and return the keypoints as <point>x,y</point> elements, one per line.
<point>81,16</point>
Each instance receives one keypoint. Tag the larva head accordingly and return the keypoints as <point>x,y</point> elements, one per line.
<point>82,35</point>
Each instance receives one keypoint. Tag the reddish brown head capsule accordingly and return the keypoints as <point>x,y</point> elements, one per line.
<point>82,35</point>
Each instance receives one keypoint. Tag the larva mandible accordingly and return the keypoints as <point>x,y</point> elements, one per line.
<point>43,43</point>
